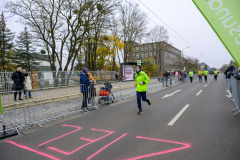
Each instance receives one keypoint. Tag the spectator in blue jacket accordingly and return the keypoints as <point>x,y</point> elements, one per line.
<point>84,87</point>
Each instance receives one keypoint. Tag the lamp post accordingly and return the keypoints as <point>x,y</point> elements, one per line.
<point>182,55</point>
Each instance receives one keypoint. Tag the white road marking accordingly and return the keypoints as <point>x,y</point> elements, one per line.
<point>205,85</point>
<point>178,115</point>
<point>169,95</point>
<point>199,93</point>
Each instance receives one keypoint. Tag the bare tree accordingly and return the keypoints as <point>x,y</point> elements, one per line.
<point>133,25</point>
<point>59,25</point>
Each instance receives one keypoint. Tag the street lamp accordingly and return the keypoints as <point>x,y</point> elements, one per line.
<point>182,55</point>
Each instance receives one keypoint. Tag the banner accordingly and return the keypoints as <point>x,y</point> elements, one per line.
<point>224,18</point>
<point>128,72</point>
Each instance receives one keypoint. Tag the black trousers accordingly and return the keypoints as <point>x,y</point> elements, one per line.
<point>85,99</point>
<point>205,78</point>
<point>191,78</point>
<point>215,77</point>
<point>17,91</point>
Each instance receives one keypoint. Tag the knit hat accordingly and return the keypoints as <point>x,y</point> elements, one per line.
<point>84,70</point>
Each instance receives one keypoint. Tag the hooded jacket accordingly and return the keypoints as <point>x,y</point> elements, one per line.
<point>18,79</point>
<point>84,83</point>
<point>141,77</point>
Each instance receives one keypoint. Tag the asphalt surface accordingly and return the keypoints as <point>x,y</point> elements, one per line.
<point>204,129</point>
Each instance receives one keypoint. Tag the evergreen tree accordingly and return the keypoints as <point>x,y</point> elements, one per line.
<point>6,45</point>
<point>25,52</point>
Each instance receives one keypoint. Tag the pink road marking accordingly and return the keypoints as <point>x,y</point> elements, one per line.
<point>32,150</point>
<point>91,141</point>
<point>78,128</point>
<point>85,139</point>
<point>163,152</point>
<point>106,146</point>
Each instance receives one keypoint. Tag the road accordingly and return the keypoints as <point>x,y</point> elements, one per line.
<point>193,122</point>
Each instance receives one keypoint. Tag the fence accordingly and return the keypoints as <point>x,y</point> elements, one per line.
<point>48,104</point>
<point>234,92</point>
<point>56,79</point>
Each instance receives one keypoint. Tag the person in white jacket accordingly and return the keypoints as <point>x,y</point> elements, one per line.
<point>27,84</point>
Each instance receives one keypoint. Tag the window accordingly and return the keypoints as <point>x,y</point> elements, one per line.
<point>155,53</point>
<point>150,54</point>
<point>137,55</point>
<point>155,46</point>
<point>133,55</point>
<point>150,46</point>
<point>141,47</point>
<point>127,54</point>
<point>146,47</point>
<point>146,54</point>
<point>137,48</point>
<point>142,54</point>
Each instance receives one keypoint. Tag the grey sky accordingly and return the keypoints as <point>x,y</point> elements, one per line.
<point>186,20</point>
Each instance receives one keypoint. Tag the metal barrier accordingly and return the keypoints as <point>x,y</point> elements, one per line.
<point>234,92</point>
<point>47,104</point>
<point>48,79</point>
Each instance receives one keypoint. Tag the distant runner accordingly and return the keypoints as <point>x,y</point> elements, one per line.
<point>215,74</point>
<point>200,75</point>
<point>191,75</point>
<point>205,75</point>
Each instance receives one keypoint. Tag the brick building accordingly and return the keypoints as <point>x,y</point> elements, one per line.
<point>162,53</point>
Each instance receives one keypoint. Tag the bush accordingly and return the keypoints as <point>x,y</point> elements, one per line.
<point>46,82</point>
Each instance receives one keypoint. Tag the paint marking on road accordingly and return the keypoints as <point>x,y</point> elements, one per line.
<point>210,80</point>
<point>169,95</point>
<point>205,85</point>
<point>178,115</point>
<point>199,93</point>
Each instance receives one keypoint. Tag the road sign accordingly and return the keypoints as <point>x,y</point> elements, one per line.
<point>139,62</point>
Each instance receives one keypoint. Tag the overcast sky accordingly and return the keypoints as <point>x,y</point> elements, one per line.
<point>185,19</point>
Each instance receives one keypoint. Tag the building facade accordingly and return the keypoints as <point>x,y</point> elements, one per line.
<point>161,53</point>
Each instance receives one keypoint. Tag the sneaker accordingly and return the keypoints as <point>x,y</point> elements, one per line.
<point>15,99</point>
<point>30,96</point>
<point>20,99</point>
<point>149,102</point>
<point>140,112</point>
<point>85,110</point>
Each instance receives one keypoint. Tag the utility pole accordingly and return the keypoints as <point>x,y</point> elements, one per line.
<point>182,56</point>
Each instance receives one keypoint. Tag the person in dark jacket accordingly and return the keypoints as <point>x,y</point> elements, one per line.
<point>166,75</point>
<point>18,78</point>
<point>117,76</point>
<point>230,72</point>
<point>84,87</point>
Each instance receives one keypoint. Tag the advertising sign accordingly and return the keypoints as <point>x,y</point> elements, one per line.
<point>128,72</point>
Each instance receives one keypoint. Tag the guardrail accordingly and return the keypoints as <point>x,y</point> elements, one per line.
<point>48,104</point>
<point>233,92</point>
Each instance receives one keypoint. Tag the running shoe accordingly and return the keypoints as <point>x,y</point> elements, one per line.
<point>140,112</point>
<point>149,102</point>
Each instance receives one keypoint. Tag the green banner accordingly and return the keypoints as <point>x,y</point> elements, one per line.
<point>224,18</point>
<point>1,109</point>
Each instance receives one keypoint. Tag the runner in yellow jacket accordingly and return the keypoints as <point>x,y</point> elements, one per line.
<point>141,88</point>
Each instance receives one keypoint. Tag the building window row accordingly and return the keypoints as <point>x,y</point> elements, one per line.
<point>146,47</point>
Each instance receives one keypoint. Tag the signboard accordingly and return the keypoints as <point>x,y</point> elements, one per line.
<point>223,17</point>
<point>128,72</point>
<point>139,62</point>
